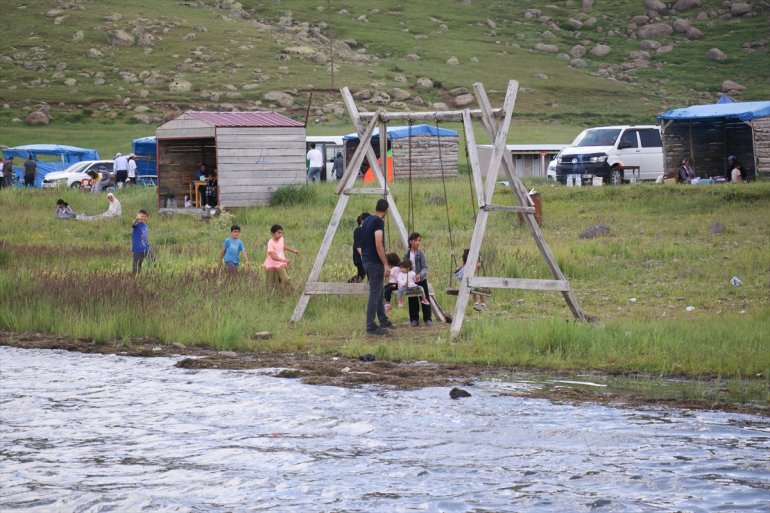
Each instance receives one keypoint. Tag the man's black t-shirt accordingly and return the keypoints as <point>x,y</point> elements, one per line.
<point>368,247</point>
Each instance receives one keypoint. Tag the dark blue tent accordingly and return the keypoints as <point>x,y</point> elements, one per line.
<point>145,151</point>
<point>49,157</point>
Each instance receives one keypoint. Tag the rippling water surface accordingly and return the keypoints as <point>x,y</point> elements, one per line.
<point>93,433</point>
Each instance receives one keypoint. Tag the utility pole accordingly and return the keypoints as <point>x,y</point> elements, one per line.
<point>331,43</point>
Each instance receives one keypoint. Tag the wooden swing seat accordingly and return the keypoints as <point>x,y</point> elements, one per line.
<point>454,291</point>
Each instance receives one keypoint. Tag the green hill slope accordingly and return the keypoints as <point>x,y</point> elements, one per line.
<point>111,61</point>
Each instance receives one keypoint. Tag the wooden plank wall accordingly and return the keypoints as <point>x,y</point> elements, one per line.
<point>707,145</point>
<point>254,162</point>
<point>425,156</point>
<point>762,145</point>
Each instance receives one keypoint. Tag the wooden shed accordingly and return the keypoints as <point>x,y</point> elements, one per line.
<point>710,133</point>
<point>253,153</point>
<point>426,147</point>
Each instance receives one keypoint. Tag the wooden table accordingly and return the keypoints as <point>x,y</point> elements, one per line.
<point>195,192</point>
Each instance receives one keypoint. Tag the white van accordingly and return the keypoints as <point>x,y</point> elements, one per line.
<point>615,153</point>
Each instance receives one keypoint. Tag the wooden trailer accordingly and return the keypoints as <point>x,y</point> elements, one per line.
<point>253,154</point>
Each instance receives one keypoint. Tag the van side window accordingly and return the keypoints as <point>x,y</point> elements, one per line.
<point>628,140</point>
<point>650,138</point>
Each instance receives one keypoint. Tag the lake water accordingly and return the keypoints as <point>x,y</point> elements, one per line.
<point>94,433</point>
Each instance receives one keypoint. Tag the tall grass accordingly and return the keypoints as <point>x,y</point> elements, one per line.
<point>660,257</point>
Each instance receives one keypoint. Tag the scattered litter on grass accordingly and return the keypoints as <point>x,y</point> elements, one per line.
<point>690,308</point>
<point>735,281</point>
<point>632,300</point>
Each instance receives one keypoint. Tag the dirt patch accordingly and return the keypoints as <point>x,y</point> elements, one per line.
<point>352,372</point>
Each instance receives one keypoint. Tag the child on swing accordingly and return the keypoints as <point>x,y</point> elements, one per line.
<point>407,283</point>
<point>478,301</point>
<point>393,262</point>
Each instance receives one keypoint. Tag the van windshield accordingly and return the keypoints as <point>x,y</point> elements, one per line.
<point>597,137</point>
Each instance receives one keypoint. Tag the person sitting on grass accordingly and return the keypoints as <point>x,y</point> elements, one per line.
<point>232,249</point>
<point>113,210</point>
<point>407,283</point>
<point>64,210</point>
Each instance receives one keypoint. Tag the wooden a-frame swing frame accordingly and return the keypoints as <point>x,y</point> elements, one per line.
<point>484,191</point>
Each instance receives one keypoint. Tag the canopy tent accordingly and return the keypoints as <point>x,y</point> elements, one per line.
<point>709,133</point>
<point>745,111</point>
<point>145,150</point>
<point>725,99</point>
<point>403,131</point>
<point>49,157</point>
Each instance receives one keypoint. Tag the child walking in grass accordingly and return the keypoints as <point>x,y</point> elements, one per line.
<point>232,249</point>
<point>392,284</point>
<point>276,262</point>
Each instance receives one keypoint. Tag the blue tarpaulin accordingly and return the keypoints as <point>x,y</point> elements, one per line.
<point>49,157</point>
<point>401,132</point>
<point>744,111</point>
<point>145,151</point>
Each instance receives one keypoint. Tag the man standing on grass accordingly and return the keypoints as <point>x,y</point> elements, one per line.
<point>315,162</point>
<point>30,171</point>
<point>8,172</point>
<point>376,265</point>
<point>121,170</point>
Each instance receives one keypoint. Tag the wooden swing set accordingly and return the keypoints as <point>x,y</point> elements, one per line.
<point>483,184</point>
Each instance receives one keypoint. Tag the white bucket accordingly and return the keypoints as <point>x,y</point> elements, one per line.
<point>598,181</point>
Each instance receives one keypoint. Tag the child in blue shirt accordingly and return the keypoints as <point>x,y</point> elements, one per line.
<point>140,239</point>
<point>232,249</point>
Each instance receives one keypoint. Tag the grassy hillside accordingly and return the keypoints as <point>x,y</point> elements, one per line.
<point>232,53</point>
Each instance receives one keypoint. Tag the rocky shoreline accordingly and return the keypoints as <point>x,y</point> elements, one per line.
<point>365,370</point>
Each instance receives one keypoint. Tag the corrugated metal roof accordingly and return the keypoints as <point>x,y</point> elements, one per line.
<point>244,119</point>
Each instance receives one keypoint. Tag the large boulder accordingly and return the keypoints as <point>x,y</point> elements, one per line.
<point>399,95</point>
<point>120,38</point>
<point>730,86</point>
<point>541,47</point>
<point>686,5</point>
<point>577,51</point>
<point>601,50</point>
<point>655,31</point>
<point>681,25</point>
<point>740,8</point>
<point>179,85</point>
<point>38,117</point>
<point>464,100</point>
<point>715,54</point>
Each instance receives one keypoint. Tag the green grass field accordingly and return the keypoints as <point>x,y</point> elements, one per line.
<point>73,278</point>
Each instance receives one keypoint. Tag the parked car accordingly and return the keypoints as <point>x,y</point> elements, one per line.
<point>615,153</point>
<point>73,175</point>
<point>551,174</point>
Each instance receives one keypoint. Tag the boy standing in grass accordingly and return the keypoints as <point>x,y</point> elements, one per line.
<point>276,262</point>
<point>232,249</point>
<point>140,239</point>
